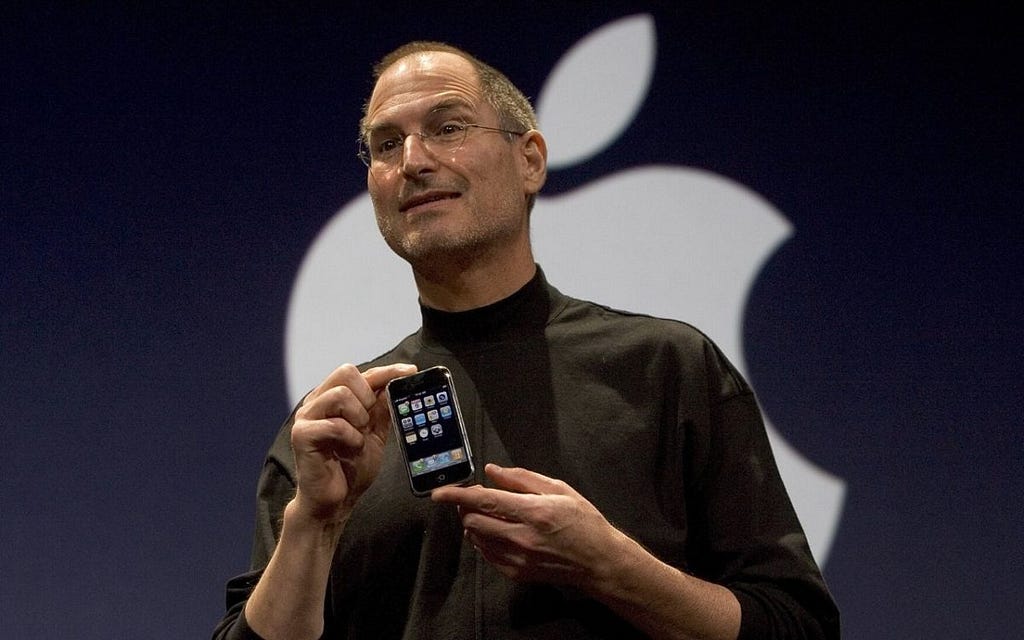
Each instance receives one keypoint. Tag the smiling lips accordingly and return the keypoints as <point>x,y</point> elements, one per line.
<point>425,198</point>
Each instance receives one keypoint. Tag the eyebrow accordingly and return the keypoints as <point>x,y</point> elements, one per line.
<point>444,106</point>
<point>451,104</point>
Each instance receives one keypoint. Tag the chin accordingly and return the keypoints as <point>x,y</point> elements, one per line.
<point>443,254</point>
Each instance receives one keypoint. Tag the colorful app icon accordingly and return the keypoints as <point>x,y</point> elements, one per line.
<point>424,433</point>
<point>417,466</point>
<point>407,423</point>
<point>421,419</point>
<point>428,401</point>
<point>446,411</point>
<point>417,405</point>
<point>432,415</point>
<point>442,396</point>
<point>456,454</point>
<point>411,437</point>
<point>403,408</point>
<point>436,429</point>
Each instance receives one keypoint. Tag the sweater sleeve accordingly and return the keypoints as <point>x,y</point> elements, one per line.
<point>749,538</point>
<point>234,625</point>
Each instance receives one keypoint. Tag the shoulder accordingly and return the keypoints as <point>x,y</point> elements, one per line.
<point>658,346</point>
<point>584,317</point>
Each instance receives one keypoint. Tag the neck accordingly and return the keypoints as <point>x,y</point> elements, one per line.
<point>524,313</point>
<point>455,287</point>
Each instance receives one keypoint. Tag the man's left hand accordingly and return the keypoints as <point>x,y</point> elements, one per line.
<point>535,528</point>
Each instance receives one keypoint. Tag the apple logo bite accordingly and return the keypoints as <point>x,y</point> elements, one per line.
<point>670,241</point>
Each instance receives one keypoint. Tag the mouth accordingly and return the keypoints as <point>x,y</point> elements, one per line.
<point>421,199</point>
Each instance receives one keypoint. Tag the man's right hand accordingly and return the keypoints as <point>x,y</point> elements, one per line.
<point>338,439</point>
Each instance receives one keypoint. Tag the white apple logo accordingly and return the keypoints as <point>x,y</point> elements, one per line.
<point>674,242</point>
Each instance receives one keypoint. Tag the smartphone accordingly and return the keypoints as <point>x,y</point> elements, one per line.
<point>431,433</point>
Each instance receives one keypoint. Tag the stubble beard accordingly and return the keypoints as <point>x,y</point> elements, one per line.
<point>426,247</point>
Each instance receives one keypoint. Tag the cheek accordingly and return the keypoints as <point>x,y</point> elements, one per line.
<point>380,209</point>
<point>379,187</point>
<point>500,187</point>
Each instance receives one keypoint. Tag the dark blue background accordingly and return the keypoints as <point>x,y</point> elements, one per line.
<point>164,171</point>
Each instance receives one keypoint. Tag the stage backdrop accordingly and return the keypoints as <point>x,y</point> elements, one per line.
<point>833,195</point>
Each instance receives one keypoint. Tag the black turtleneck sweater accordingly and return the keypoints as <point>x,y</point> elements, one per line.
<point>643,416</point>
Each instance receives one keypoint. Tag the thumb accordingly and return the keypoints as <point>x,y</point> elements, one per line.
<point>378,377</point>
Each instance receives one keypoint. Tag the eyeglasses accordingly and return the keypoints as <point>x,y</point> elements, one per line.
<point>384,148</point>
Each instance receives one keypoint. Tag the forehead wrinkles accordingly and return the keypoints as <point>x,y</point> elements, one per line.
<point>419,83</point>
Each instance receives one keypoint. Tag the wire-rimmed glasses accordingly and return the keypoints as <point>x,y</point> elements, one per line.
<point>384,148</point>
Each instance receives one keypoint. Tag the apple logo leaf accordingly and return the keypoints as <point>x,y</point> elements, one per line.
<point>584,107</point>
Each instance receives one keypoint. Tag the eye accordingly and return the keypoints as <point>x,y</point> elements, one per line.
<point>450,130</point>
<point>385,146</point>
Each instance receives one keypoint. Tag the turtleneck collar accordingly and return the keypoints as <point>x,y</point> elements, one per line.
<point>524,312</point>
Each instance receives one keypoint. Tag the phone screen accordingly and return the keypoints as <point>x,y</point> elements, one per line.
<point>425,411</point>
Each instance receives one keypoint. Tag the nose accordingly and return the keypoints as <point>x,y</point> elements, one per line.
<point>416,155</point>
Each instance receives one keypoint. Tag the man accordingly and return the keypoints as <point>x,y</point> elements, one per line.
<point>629,489</point>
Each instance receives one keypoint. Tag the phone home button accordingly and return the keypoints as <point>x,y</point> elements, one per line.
<point>440,478</point>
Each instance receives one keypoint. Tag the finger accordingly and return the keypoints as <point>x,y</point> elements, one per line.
<point>380,418</point>
<point>347,375</point>
<point>525,481</point>
<point>325,436</point>
<point>336,402</point>
<point>347,392</point>
<point>378,377</point>
<point>495,503</point>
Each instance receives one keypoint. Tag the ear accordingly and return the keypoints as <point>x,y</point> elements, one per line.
<point>534,160</point>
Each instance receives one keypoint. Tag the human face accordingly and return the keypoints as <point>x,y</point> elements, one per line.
<point>458,205</point>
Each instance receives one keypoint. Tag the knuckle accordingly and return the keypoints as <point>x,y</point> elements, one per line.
<point>560,485</point>
<point>341,394</point>
<point>543,518</point>
<point>348,369</point>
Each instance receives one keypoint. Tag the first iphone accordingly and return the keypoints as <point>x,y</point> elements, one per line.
<point>431,433</point>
